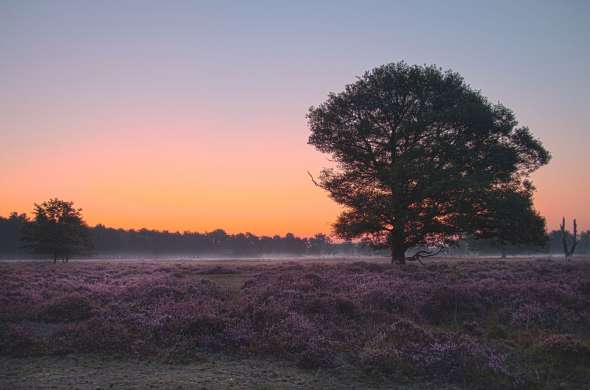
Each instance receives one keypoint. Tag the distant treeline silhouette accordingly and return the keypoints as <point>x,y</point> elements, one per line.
<point>121,242</point>
<point>108,241</point>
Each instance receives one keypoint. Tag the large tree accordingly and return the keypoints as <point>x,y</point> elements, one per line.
<point>57,229</point>
<point>422,160</point>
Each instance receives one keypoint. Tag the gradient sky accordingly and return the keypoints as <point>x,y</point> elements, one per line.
<point>191,115</point>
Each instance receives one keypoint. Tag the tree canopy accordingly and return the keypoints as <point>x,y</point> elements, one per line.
<point>57,229</point>
<point>422,159</point>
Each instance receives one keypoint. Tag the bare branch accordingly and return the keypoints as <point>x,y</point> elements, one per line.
<point>418,256</point>
<point>313,180</point>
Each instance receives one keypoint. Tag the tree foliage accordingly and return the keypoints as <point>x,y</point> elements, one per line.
<point>422,159</point>
<point>57,229</point>
<point>10,235</point>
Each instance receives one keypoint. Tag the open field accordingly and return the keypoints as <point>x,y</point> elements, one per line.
<point>323,323</point>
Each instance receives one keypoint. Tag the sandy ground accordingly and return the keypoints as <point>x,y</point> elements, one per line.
<point>92,372</point>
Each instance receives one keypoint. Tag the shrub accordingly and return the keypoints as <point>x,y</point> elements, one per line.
<point>408,349</point>
<point>565,347</point>
<point>19,341</point>
<point>560,359</point>
<point>69,308</point>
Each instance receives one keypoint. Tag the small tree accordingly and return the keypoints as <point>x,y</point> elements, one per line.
<point>424,160</point>
<point>57,229</point>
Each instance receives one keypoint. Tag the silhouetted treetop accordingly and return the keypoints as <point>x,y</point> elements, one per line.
<point>57,229</point>
<point>422,158</point>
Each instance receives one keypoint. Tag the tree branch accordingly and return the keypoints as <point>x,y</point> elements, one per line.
<point>313,180</point>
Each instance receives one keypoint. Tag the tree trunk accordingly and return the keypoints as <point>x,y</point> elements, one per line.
<point>398,254</point>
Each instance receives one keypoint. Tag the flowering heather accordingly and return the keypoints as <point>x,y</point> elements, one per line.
<point>512,324</point>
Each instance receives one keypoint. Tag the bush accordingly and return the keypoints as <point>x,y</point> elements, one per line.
<point>408,349</point>
<point>69,308</point>
<point>560,358</point>
<point>19,341</point>
<point>567,348</point>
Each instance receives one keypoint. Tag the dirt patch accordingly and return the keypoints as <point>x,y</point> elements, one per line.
<point>214,372</point>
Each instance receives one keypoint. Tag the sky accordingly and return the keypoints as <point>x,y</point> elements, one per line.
<point>190,115</point>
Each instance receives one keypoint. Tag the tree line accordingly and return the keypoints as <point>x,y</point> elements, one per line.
<point>58,230</point>
<point>107,241</point>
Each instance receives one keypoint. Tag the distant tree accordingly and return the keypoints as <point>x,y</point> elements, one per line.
<point>57,229</point>
<point>423,160</point>
<point>320,244</point>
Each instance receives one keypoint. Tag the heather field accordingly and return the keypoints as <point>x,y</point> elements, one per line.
<point>518,323</point>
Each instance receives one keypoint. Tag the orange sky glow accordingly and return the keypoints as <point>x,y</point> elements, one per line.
<point>177,180</point>
<point>192,116</point>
